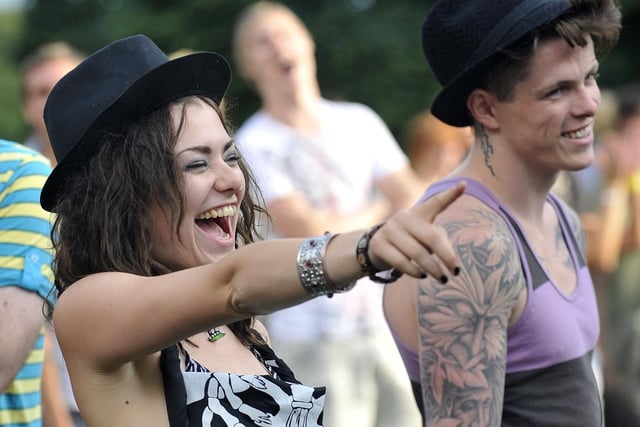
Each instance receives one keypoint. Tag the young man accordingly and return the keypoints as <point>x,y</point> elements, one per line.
<point>25,283</point>
<point>324,165</point>
<point>509,341</point>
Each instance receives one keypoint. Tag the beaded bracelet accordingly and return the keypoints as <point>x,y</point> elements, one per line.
<point>311,269</point>
<point>367,267</point>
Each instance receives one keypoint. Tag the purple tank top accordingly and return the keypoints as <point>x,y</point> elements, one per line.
<point>552,340</point>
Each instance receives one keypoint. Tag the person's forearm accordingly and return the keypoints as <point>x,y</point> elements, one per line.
<point>634,204</point>
<point>21,320</point>
<point>407,242</point>
<point>252,297</point>
<point>608,239</point>
<point>255,279</point>
<point>55,411</point>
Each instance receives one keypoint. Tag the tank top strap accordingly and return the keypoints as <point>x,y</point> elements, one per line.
<point>473,188</point>
<point>572,241</point>
<point>174,387</point>
<point>477,190</point>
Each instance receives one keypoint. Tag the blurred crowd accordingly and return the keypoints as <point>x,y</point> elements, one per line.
<point>328,164</point>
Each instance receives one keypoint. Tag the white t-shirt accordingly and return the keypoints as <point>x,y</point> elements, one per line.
<point>338,168</point>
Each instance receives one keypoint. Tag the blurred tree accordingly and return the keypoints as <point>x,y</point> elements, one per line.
<point>11,125</point>
<point>368,50</point>
<point>621,65</point>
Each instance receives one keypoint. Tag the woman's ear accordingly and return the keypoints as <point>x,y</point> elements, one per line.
<point>480,103</point>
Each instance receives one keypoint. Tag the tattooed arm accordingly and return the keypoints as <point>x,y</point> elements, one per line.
<point>463,324</point>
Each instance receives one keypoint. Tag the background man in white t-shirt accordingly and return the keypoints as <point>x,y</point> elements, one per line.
<point>324,165</point>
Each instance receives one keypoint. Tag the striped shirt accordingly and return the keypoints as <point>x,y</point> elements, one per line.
<point>25,262</point>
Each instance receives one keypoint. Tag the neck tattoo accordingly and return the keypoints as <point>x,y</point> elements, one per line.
<point>215,334</point>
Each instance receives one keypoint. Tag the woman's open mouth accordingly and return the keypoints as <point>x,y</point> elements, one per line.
<point>217,222</point>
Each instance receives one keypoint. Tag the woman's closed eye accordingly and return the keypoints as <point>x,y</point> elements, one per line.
<point>195,165</point>
<point>232,158</point>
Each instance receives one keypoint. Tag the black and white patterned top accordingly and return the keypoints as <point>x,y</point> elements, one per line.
<point>197,397</point>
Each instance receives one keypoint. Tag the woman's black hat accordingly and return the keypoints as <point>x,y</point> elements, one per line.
<point>113,87</point>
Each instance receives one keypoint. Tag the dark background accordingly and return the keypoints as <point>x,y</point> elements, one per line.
<point>367,50</point>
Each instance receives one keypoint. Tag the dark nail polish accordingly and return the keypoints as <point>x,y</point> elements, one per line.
<point>456,271</point>
<point>424,276</point>
<point>444,279</point>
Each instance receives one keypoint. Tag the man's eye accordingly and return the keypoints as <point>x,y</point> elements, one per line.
<point>555,92</point>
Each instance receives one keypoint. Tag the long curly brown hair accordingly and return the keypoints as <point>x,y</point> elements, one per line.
<point>103,217</point>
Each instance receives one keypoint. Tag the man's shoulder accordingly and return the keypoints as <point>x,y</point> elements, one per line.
<point>477,226</point>
<point>473,213</point>
<point>14,155</point>
<point>15,147</point>
<point>23,172</point>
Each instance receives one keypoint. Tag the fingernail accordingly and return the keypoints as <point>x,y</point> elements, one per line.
<point>444,279</point>
<point>456,271</point>
<point>424,276</point>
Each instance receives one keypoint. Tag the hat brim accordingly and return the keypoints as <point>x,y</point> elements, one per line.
<point>450,104</point>
<point>204,73</point>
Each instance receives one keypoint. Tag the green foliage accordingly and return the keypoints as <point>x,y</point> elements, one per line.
<point>11,125</point>
<point>621,65</point>
<point>374,56</point>
<point>368,51</point>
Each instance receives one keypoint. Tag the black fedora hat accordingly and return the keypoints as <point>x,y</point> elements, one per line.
<point>461,37</point>
<point>115,86</point>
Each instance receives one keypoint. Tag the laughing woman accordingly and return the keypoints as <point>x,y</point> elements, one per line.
<point>157,275</point>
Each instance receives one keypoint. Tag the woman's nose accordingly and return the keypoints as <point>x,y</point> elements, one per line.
<point>228,179</point>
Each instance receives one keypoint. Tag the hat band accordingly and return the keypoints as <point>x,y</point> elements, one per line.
<point>510,20</point>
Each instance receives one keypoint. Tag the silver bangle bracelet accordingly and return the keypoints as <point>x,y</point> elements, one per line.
<point>311,268</point>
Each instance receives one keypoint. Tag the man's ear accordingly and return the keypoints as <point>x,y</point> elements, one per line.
<point>480,103</point>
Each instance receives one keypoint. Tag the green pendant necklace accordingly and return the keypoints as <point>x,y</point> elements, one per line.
<point>215,334</point>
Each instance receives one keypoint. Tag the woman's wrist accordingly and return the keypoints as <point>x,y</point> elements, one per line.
<point>312,268</point>
<point>313,256</point>
<point>366,266</point>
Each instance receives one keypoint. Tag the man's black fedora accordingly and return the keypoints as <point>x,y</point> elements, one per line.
<point>115,86</point>
<point>461,37</point>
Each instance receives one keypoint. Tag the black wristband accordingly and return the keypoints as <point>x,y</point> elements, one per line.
<point>362,254</point>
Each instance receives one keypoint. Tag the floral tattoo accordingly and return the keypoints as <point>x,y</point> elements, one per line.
<point>463,325</point>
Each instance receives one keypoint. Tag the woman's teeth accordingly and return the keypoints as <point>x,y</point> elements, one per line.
<point>218,213</point>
